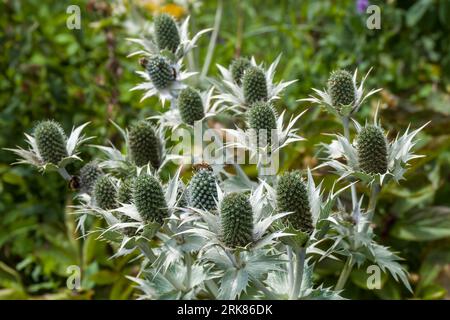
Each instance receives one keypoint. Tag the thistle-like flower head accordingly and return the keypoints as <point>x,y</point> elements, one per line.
<point>255,84</point>
<point>343,96</point>
<point>149,199</point>
<point>371,157</point>
<point>125,191</point>
<point>203,189</point>
<point>166,33</point>
<point>144,145</point>
<point>237,220</point>
<point>160,72</point>
<point>372,150</point>
<point>261,117</point>
<point>190,105</point>
<point>51,141</point>
<point>292,196</point>
<point>88,175</point>
<point>105,193</point>
<point>341,88</point>
<point>238,67</point>
<point>49,148</point>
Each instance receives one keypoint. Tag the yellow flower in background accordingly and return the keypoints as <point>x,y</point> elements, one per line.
<point>159,6</point>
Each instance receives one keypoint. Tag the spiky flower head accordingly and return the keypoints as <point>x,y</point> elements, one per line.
<point>341,88</point>
<point>149,199</point>
<point>238,66</point>
<point>166,33</point>
<point>160,72</point>
<point>182,195</point>
<point>105,193</point>
<point>372,150</point>
<point>144,144</point>
<point>262,117</point>
<point>203,190</point>
<point>51,141</point>
<point>237,220</point>
<point>89,174</point>
<point>292,197</point>
<point>190,105</point>
<point>125,192</point>
<point>254,85</point>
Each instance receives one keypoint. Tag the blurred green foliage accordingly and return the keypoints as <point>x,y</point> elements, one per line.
<point>74,76</point>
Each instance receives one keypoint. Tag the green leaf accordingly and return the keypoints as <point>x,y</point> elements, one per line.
<point>428,224</point>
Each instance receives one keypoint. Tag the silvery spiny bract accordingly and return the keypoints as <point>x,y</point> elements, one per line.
<point>166,33</point>
<point>144,145</point>
<point>237,220</point>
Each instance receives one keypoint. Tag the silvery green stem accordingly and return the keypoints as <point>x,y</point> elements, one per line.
<point>213,41</point>
<point>372,205</point>
<point>299,267</point>
<point>212,287</point>
<point>348,266</point>
<point>63,172</point>
<point>188,262</point>
<point>345,124</point>
<point>290,267</point>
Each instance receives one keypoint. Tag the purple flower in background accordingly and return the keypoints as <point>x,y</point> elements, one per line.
<point>361,5</point>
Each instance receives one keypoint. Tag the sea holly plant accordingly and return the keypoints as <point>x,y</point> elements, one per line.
<point>220,233</point>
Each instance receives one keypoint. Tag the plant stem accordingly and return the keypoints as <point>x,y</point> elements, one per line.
<point>212,287</point>
<point>63,172</point>
<point>372,205</point>
<point>290,267</point>
<point>345,273</point>
<point>188,262</point>
<point>212,42</point>
<point>345,124</point>
<point>299,267</point>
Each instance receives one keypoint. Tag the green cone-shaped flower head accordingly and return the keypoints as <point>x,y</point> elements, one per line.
<point>372,150</point>
<point>144,145</point>
<point>261,117</point>
<point>254,85</point>
<point>203,190</point>
<point>292,197</point>
<point>166,33</point>
<point>51,141</point>
<point>160,72</point>
<point>237,220</point>
<point>149,199</point>
<point>190,105</point>
<point>105,193</point>
<point>238,66</point>
<point>341,88</point>
<point>125,192</point>
<point>89,174</point>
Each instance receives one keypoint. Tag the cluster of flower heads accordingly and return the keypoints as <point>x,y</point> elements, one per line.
<point>213,238</point>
